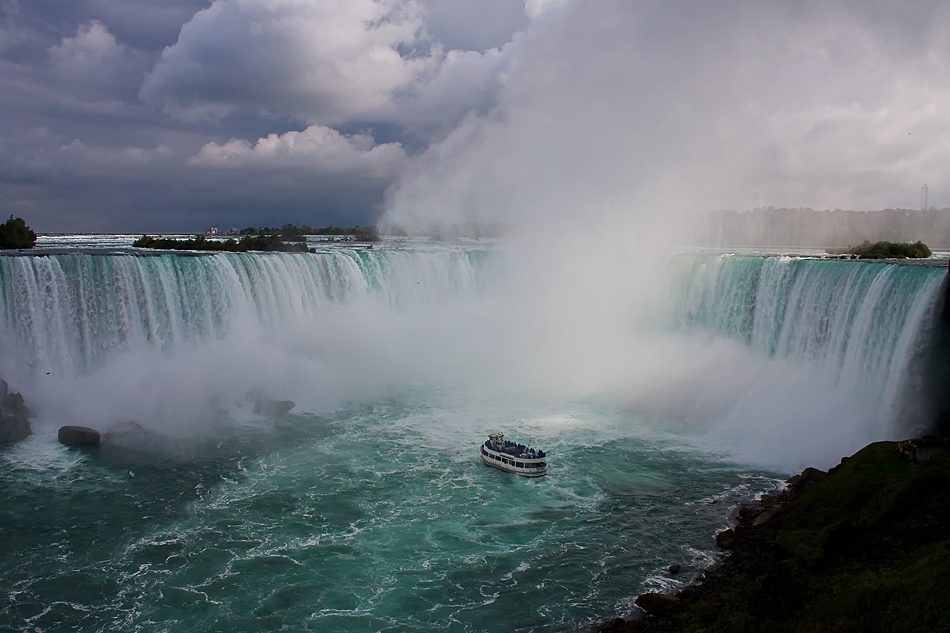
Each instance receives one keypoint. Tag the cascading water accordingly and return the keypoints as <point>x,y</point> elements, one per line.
<point>367,507</point>
<point>70,313</point>
<point>867,326</point>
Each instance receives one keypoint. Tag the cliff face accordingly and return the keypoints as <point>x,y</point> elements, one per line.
<point>865,547</point>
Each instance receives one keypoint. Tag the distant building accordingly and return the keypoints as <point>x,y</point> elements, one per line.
<point>212,231</point>
<point>232,231</point>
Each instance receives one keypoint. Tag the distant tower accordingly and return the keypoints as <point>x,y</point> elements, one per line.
<point>923,198</point>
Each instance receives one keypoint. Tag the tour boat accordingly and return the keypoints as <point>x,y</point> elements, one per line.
<point>513,458</point>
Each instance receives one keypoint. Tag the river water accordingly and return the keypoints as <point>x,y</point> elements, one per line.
<point>366,508</point>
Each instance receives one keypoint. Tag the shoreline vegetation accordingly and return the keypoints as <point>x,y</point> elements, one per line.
<point>862,547</point>
<point>287,239</point>
<point>292,233</point>
<point>14,233</point>
<point>201,243</point>
<point>885,250</point>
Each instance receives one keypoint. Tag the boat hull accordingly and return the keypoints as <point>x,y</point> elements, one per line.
<point>509,464</point>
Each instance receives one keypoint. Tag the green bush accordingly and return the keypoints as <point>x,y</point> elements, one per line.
<point>14,233</point>
<point>891,250</point>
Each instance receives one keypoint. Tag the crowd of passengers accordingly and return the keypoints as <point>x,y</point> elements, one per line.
<point>516,450</point>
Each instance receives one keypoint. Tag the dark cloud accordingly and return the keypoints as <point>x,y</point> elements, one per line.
<point>148,115</point>
<point>116,111</point>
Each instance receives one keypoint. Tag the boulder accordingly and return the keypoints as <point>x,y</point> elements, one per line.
<point>14,425</point>
<point>924,453</point>
<point>726,539</point>
<point>657,603</point>
<point>128,435</point>
<point>765,517</point>
<point>14,428</point>
<point>266,406</point>
<point>674,569</point>
<point>78,436</point>
<point>808,478</point>
<point>617,625</point>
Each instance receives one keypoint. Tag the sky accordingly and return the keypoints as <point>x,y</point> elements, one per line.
<point>178,115</point>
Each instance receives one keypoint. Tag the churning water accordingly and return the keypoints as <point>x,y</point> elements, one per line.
<point>366,508</point>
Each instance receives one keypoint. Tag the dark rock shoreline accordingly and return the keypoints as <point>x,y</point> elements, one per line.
<point>863,547</point>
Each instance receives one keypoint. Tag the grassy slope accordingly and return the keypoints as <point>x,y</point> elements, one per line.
<point>865,549</point>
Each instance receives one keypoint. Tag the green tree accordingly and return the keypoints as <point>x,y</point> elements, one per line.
<point>14,233</point>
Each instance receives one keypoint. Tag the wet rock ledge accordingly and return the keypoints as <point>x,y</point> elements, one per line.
<point>14,425</point>
<point>864,547</point>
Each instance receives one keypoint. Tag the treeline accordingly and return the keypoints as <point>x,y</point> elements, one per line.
<point>200,243</point>
<point>803,227</point>
<point>14,233</point>
<point>295,233</point>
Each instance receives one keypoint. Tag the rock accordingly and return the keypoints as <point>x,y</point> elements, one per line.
<point>808,478</point>
<point>14,425</point>
<point>266,406</point>
<point>612,626</point>
<point>13,402</point>
<point>14,428</point>
<point>657,603</point>
<point>726,539</point>
<point>128,435</point>
<point>674,569</point>
<point>931,452</point>
<point>78,436</point>
<point>765,517</point>
<point>813,474</point>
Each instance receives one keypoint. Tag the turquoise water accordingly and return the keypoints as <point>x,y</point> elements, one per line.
<point>381,518</point>
<point>367,508</point>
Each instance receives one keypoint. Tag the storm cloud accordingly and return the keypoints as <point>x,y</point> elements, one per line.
<point>139,115</point>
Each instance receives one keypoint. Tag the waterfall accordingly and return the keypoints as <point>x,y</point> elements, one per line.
<point>70,313</point>
<point>866,336</point>
<point>868,326</point>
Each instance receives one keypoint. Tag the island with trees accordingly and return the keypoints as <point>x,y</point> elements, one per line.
<point>890,250</point>
<point>884,250</point>
<point>288,238</point>
<point>200,243</point>
<point>14,233</point>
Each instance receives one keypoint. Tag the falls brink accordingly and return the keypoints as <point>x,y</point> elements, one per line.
<point>71,313</point>
<point>872,328</point>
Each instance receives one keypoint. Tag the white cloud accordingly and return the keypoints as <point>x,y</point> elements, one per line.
<point>330,60</point>
<point>641,113</point>
<point>93,63</point>
<point>92,50</point>
<point>327,62</point>
<point>536,8</point>
<point>316,149</point>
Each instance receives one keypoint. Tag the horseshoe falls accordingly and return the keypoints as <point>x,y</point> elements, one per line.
<point>661,406</point>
